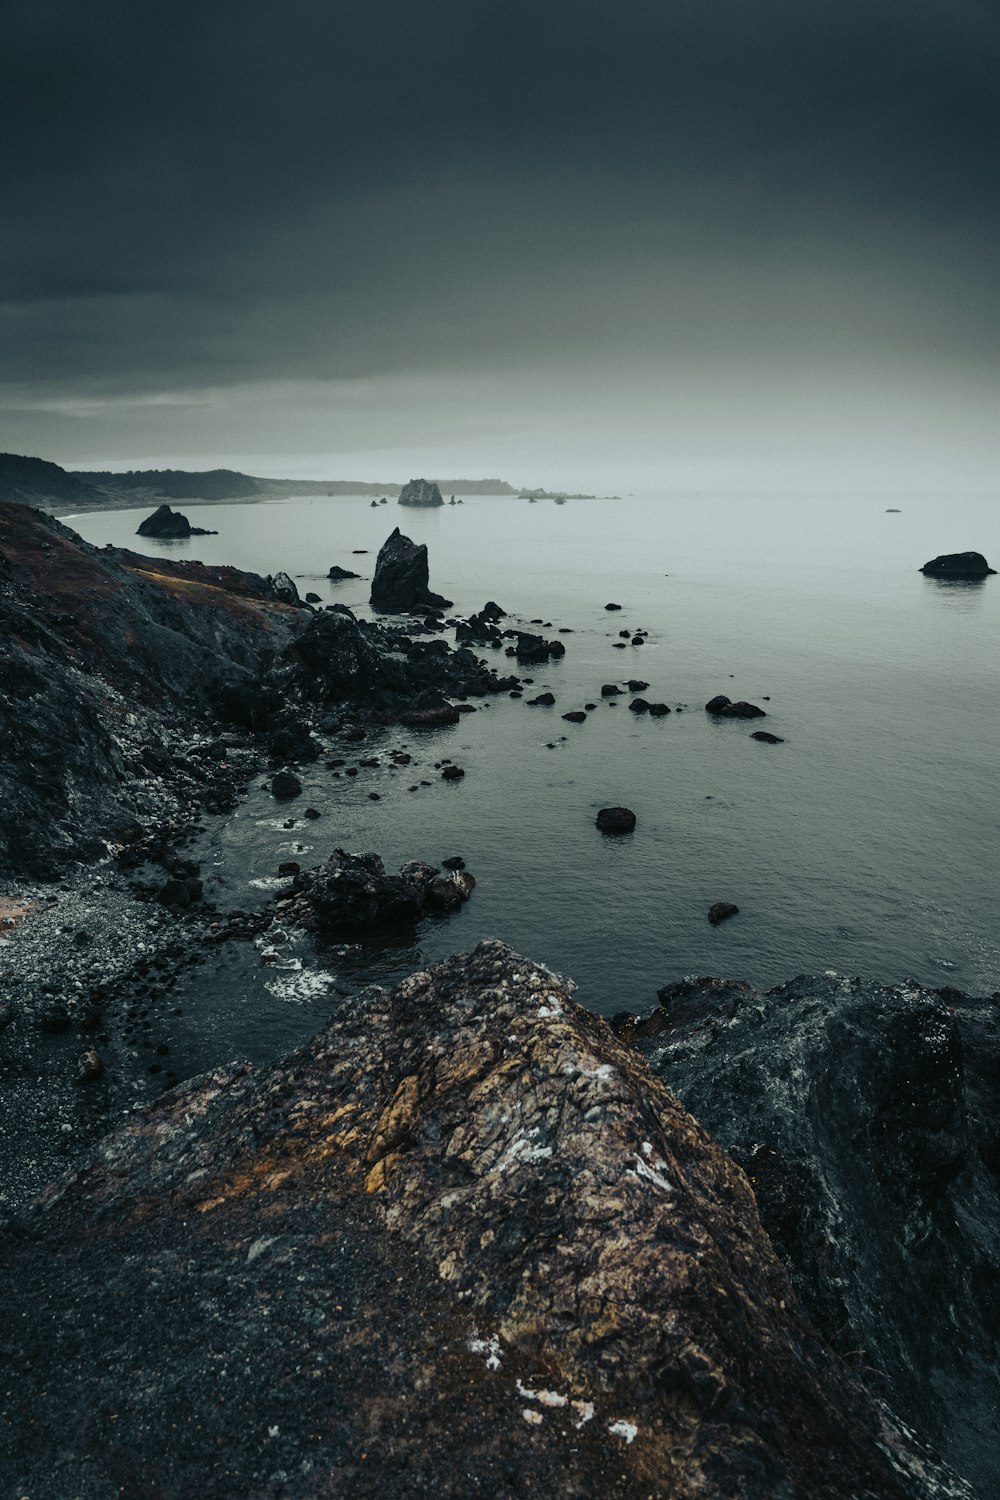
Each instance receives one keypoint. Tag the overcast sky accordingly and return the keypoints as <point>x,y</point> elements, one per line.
<point>569,242</point>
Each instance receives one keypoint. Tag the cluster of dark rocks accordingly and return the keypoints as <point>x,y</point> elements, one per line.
<point>354,896</point>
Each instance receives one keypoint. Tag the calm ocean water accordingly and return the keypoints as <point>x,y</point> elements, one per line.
<point>866,843</point>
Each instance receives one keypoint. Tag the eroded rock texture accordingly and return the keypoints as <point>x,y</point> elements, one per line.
<point>463,1243</point>
<point>866,1116</point>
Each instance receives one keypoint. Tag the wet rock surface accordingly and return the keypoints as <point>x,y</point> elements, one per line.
<point>865,1117</point>
<point>463,1207</point>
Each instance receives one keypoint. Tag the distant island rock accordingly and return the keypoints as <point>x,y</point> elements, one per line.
<point>558,495</point>
<point>337,574</point>
<point>958,565</point>
<point>169,525</point>
<point>421,492</point>
<point>401,577</point>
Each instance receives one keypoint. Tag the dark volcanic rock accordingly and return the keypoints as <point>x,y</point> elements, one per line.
<point>610,690</point>
<point>720,911</point>
<point>966,565</point>
<point>659,710</point>
<point>338,574</point>
<point>105,658</point>
<point>766,738</point>
<point>352,895</point>
<point>283,587</point>
<point>169,525</point>
<point>722,707</point>
<point>285,786</point>
<point>420,492</point>
<point>866,1117</point>
<point>544,700</point>
<point>399,585</point>
<point>464,1208</point>
<point>576,716</point>
<point>616,820</point>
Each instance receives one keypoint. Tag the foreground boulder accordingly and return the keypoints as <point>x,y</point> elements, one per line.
<point>866,1118</point>
<point>169,525</point>
<point>421,492</point>
<point>958,565</point>
<point>464,1208</point>
<point>401,576</point>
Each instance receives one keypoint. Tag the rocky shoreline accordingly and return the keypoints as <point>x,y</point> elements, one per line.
<point>299,1279</point>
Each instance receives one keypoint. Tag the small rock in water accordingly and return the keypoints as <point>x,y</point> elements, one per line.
<point>720,911</point>
<point>639,706</point>
<point>284,786</point>
<point>543,699</point>
<point>610,690</point>
<point>766,738</point>
<point>452,773</point>
<point>575,717</point>
<point>616,820</point>
<point>612,606</point>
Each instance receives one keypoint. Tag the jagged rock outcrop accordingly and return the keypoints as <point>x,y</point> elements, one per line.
<point>283,587</point>
<point>421,492</point>
<point>400,582</point>
<point>866,1117</point>
<point>463,1208</point>
<point>169,525</point>
<point>100,653</point>
<point>967,565</point>
<point>380,669</point>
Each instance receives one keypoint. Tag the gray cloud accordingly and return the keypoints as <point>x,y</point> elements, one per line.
<point>207,198</point>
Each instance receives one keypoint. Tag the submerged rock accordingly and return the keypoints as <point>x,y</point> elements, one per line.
<point>720,911</point>
<point>337,574</point>
<point>421,492</point>
<point>400,584</point>
<point>463,1207</point>
<point>169,525</point>
<point>967,565</point>
<point>616,820</point>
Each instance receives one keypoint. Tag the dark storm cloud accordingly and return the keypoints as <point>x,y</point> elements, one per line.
<point>209,192</point>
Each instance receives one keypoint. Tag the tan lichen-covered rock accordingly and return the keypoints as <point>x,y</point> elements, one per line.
<point>462,1243</point>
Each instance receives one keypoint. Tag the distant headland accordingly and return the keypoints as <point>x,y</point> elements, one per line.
<point>35,481</point>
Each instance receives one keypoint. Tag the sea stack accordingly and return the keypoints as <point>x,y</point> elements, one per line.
<point>401,575</point>
<point>958,565</point>
<point>421,492</point>
<point>169,525</point>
